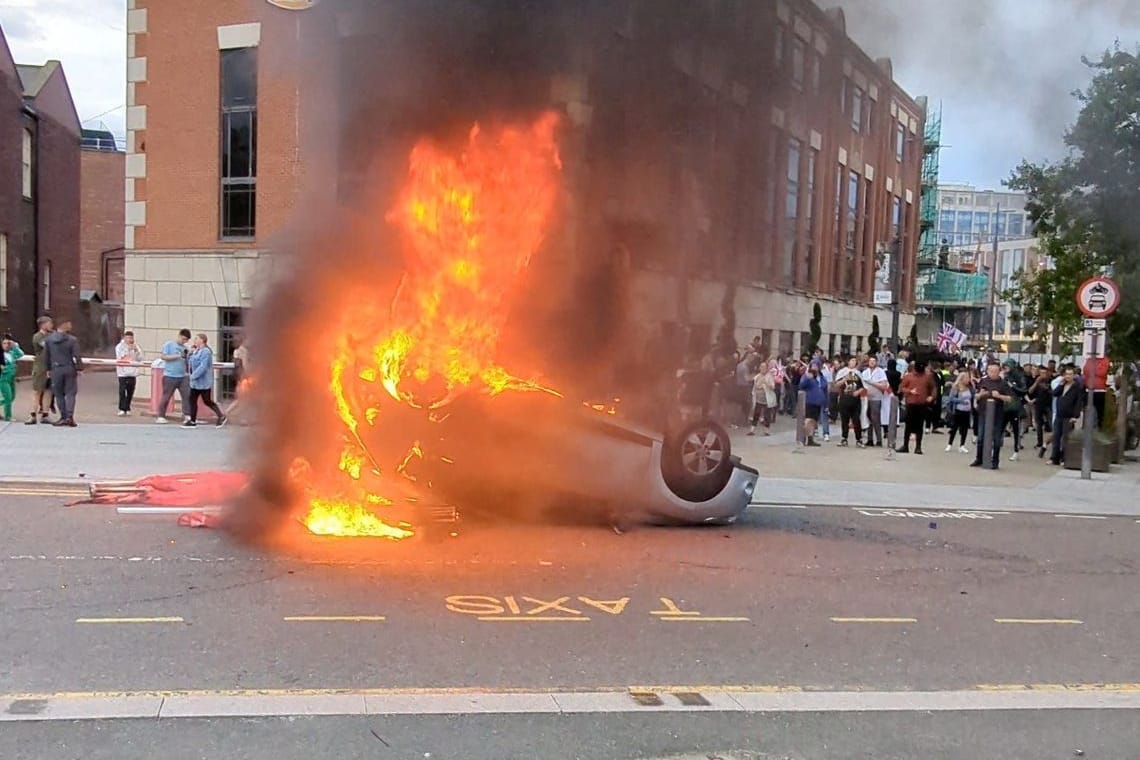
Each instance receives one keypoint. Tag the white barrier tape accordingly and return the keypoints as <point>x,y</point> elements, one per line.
<point>97,362</point>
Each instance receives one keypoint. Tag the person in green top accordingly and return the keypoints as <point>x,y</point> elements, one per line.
<point>12,353</point>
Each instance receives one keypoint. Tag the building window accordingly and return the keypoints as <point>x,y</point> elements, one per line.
<point>836,270</point>
<point>900,142</point>
<point>231,323</point>
<point>1017,225</point>
<point>896,218</point>
<point>770,239</point>
<point>239,143</point>
<point>857,109</point>
<point>852,229</point>
<point>786,339</point>
<point>779,45</point>
<point>965,220</point>
<point>47,287</point>
<point>843,96</point>
<point>982,222</point>
<point>798,54</point>
<point>808,268</point>
<point>26,162</point>
<point>869,231</point>
<point>816,64</point>
<point>3,270</point>
<point>946,221</point>
<point>791,209</point>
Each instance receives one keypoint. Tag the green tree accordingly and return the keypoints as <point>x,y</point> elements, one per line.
<point>1083,209</point>
<point>815,328</point>
<point>874,342</point>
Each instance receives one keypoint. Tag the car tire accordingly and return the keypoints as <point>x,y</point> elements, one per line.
<point>696,462</point>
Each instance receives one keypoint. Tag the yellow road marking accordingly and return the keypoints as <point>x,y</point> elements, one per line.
<point>1040,621</point>
<point>1118,688</point>
<point>334,618</point>
<point>131,620</point>
<point>41,492</point>
<point>531,619</point>
<point>703,619</point>
<point>678,613</point>
<point>1107,688</point>
<point>874,620</point>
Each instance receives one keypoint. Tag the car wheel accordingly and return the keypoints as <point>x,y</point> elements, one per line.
<point>697,461</point>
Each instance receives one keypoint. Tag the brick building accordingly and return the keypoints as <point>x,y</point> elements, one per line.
<point>744,157</point>
<point>39,194</point>
<point>101,256</point>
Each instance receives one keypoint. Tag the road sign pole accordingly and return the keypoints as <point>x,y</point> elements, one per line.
<point>1090,409</point>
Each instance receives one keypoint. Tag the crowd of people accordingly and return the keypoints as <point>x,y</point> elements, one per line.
<point>855,396</point>
<point>187,362</point>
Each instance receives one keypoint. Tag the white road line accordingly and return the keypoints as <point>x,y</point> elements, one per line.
<point>334,619</point>
<point>1083,517</point>
<point>14,708</point>
<point>129,620</point>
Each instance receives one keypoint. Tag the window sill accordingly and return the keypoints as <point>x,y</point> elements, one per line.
<point>237,239</point>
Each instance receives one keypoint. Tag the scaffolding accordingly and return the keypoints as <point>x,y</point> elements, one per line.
<point>946,287</point>
<point>928,206</point>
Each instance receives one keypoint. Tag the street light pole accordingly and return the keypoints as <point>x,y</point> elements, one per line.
<point>896,284</point>
<point>993,279</point>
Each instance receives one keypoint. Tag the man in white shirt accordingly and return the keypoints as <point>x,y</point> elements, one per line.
<point>875,382</point>
<point>849,385</point>
<point>127,354</point>
<point>827,372</point>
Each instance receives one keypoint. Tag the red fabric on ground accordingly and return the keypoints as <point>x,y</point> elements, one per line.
<point>195,489</point>
<point>199,520</point>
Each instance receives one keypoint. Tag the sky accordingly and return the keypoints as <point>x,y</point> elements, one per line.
<point>1002,71</point>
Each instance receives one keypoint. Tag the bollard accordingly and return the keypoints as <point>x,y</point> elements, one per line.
<point>988,432</point>
<point>801,414</point>
<point>892,424</point>
<point>1090,424</point>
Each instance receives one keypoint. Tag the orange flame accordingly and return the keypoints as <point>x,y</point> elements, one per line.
<point>471,223</point>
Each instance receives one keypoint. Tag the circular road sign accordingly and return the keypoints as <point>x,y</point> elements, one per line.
<point>1098,297</point>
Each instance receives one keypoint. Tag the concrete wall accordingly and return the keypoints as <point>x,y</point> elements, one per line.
<point>169,291</point>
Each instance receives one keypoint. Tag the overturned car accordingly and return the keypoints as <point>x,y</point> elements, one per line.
<point>533,455</point>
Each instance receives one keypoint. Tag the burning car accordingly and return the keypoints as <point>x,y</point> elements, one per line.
<point>529,454</point>
<point>424,417</point>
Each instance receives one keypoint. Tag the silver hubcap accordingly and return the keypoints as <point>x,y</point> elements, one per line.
<point>702,452</point>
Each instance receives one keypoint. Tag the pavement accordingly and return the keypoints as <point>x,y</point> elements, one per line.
<point>107,447</point>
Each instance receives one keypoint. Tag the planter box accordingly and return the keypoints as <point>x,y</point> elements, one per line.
<point>1104,447</point>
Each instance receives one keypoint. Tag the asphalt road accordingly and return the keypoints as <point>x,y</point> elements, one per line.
<point>816,600</point>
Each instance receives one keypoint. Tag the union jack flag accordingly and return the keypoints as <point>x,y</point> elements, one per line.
<point>950,340</point>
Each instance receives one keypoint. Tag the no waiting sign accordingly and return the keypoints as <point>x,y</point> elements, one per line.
<point>1098,297</point>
